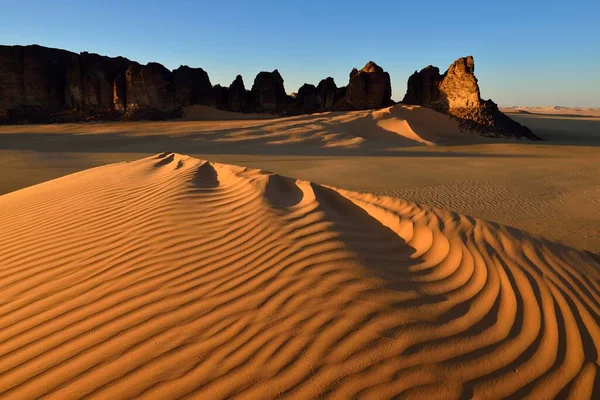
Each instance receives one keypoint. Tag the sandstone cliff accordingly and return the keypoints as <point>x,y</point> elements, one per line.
<point>268,93</point>
<point>456,93</point>
<point>32,81</point>
<point>369,88</point>
<point>40,84</point>
<point>238,97</point>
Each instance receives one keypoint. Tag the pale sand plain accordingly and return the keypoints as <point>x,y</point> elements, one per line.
<point>554,111</point>
<point>167,276</point>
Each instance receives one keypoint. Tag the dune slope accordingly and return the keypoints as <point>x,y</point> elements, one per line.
<point>170,276</point>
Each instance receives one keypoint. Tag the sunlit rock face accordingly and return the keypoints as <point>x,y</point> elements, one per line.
<point>456,92</point>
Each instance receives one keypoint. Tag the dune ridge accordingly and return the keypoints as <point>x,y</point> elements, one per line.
<point>172,276</point>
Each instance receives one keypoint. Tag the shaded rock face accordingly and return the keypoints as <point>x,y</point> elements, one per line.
<point>268,92</point>
<point>32,81</point>
<point>191,85</point>
<point>369,88</point>
<point>40,84</point>
<point>456,93</point>
<point>90,79</point>
<point>305,100</point>
<point>219,98</point>
<point>150,86</point>
<point>327,94</point>
<point>237,95</point>
<point>322,97</point>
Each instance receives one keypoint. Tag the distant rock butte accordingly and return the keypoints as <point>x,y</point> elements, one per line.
<point>456,93</point>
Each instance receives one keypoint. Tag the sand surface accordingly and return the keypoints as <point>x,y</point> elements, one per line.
<point>549,188</point>
<point>170,276</point>
<point>554,111</point>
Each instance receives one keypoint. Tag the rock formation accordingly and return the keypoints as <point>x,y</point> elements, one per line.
<point>327,94</point>
<point>219,97</point>
<point>268,93</point>
<point>149,86</point>
<point>456,93</point>
<point>40,84</point>
<point>192,86</point>
<point>32,81</point>
<point>237,95</point>
<point>369,88</point>
<point>305,100</point>
<point>321,98</point>
<point>90,79</point>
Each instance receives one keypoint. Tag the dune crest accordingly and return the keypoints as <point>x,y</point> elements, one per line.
<point>172,276</point>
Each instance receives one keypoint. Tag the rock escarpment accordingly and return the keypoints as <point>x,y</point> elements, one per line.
<point>323,97</point>
<point>32,81</point>
<point>456,93</point>
<point>90,80</point>
<point>149,88</point>
<point>40,84</point>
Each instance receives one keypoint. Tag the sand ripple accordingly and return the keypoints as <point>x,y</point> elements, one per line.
<point>170,277</point>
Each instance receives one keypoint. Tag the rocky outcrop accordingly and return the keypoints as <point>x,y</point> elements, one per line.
<point>191,85</point>
<point>456,93</point>
<point>305,100</point>
<point>311,98</point>
<point>237,95</point>
<point>90,80</point>
<point>40,84</point>
<point>369,88</point>
<point>268,93</point>
<point>32,81</point>
<point>327,94</point>
<point>219,98</point>
<point>150,86</point>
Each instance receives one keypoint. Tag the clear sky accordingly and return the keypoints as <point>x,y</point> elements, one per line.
<point>526,52</point>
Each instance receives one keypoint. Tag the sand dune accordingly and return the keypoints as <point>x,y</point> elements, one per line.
<point>170,276</point>
<point>385,129</point>
<point>399,125</point>
<point>215,130</point>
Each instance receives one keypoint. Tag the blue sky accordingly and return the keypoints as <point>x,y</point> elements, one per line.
<point>526,52</point>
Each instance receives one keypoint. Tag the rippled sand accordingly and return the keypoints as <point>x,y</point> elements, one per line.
<point>170,276</point>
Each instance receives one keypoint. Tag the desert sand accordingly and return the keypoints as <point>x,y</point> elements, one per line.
<point>554,111</point>
<point>549,188</point>
<point>387,254</point>
<point>170,276</point>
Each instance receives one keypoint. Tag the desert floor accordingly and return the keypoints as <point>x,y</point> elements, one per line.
<point>550,188</point>
<point>132,267</point>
